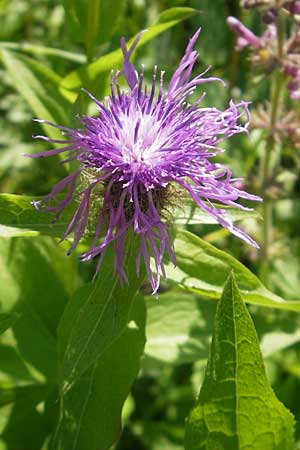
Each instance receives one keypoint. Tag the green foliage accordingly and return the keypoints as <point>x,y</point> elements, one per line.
<point>203,269</point>
<point>91,408</point>
<point>20,218</point>
<point>237,408</point>
<point>88,74</point>
<point>96,316</point>
<point>71,349</point>
<point>7,320</point>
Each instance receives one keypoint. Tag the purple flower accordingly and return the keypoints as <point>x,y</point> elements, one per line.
<point>141,142</point>
<point>245,36</point>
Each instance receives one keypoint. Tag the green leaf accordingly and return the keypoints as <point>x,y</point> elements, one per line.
<point>96,316</point>
<point>179,328</point>
<point>18,217</point>
<point>43,50</point>
<point>91,409</point>
<point>191,214</point>
<point>237,408</point>
<point>203,269</point>
<point>7,320</point>
<point>38,85</point>
<point>41,273</point>
<point>86,75</point>
<point>26,427</point>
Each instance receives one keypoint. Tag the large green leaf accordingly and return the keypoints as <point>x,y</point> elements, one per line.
<point>237,408</point>
<point>38,85</point>
<point>18,217</point>
<point>203,269</point>
<point>91,409</point>
<point>97,315</point>
<point>113,60</point>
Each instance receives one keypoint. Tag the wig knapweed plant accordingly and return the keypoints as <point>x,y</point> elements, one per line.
<point>140,142</point>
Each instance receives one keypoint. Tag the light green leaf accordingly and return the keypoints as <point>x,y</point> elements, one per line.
<point>18,217</point>
<point>203,269</point>
<point>113,60</point>
<point>7,320</point>
<point>91,409</point>
<point>179,328</point>
<point>191,214</point>
<point>42,50</point>
<point>237,408</point>
<point>97,315</point>
<point>38,85</point>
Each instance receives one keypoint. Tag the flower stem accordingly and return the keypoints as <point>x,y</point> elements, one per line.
<point>275,100</point>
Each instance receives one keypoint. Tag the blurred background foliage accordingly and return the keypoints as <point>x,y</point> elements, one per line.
<point>46,32</point>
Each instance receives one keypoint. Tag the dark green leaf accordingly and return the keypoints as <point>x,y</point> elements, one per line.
<point>26,427</point>
<point>237,408</point>
<point>91,408</point>
<point>87,74</point>
<point>7,320</point>
<point>203,269</point>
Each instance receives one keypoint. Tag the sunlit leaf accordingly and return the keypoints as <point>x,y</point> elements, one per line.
<point>179,328</point>
<point>203,269</point>
<point>38,85</point>
<point>18,217</point>
<point>237,408</point>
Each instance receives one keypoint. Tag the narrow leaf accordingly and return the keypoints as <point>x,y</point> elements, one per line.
<point>237,408</point>
<point>38,85</point>
<point>203,269</point>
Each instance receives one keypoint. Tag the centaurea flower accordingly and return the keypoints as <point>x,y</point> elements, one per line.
<point>141,142</point>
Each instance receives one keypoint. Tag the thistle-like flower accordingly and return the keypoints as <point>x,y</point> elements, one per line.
<point>141,142</point>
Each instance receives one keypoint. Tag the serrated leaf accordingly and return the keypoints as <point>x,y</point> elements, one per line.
<point>237,408</point>
<point>203,269</point>
<point>87,74</point>
<point>38,85</point>
<point>91,409</point>
<point>97,315</point>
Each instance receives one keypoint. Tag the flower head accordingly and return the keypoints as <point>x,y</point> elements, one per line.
<point>141,142</point>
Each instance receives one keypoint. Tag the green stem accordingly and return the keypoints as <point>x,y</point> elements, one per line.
<point>276,91</point>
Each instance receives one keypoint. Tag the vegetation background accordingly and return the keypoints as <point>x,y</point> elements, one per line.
<point>178,337</point>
